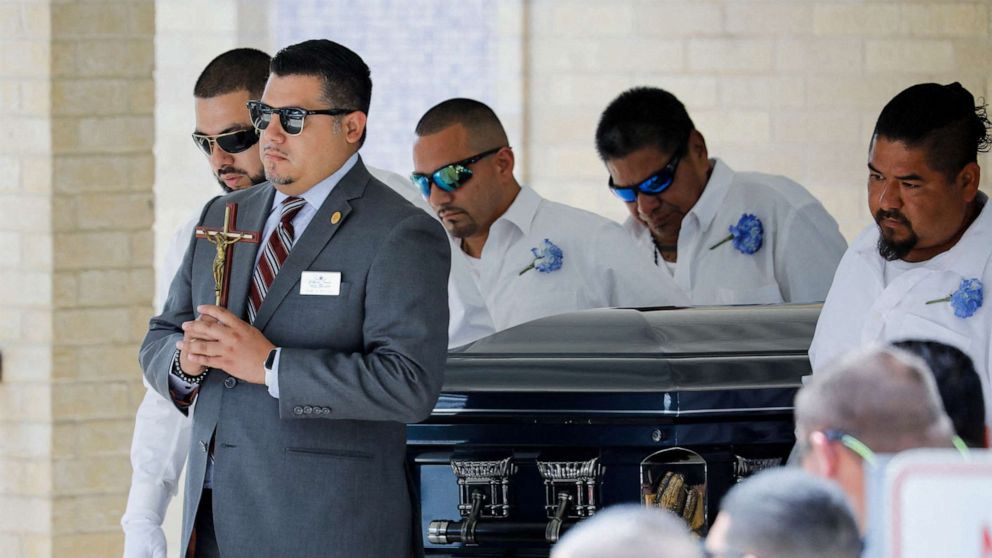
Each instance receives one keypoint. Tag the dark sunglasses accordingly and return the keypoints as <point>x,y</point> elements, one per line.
<point>451,176</point>
<point>652,185</point>
<point>231,142</point>
<point>291,118</point>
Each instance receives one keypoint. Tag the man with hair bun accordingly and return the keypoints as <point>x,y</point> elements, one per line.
<point>921,270</point>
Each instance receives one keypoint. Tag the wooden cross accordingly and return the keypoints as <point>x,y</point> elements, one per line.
<point>225,239</point>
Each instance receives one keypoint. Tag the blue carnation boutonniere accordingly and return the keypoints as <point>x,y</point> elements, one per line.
<point>748,235</point>
<point>547,258</point>
<point>966,300</point>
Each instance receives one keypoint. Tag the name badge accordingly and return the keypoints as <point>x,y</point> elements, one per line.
<point>321,283</point>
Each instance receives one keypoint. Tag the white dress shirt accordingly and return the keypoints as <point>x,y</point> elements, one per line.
<point>599,266</point>
<point>802,243</point>
<point>873,300</point>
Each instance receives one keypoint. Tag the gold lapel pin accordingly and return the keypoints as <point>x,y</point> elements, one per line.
<point>335,217</point>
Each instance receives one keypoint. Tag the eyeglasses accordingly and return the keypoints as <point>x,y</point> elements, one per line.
<point>652,185</point>
<point>230,142</point>
<point>291,118</point>
<point>451,176</point>
<point>866,453</point>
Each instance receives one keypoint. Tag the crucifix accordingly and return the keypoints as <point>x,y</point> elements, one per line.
<point>225,239</point>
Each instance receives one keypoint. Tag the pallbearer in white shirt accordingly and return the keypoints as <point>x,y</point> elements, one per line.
<point>726,237</point>
<point>224,134</point>
<point>920,271</point>
<point>525,257</point>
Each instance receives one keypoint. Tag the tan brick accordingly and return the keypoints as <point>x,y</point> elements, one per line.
<point>37,545</point>
<point>36,250</point>
<point>868,20</point>
<point>576,90</point>
<point>27,214</point>
<point>762,92</point>
<point>141,18</point>
<point>24,514</point>
<point>909,56</point>
<point>23,363</point>
<point>946,20</point>
<point>10,326</point>
<point>573,19</point>
<point>642,54</point>
<point>88,97</point>
<point>679,18</point>
<point>33,135</point>
<point>25,288</point>
<point>36,325</point>
<point>88,514</point>
<point>973,57</point>
<point>820,56</point>
<point>36,174</point>
<point>730,55</point>
<point>89,475</point>
<point>140,314</point>
<point>10,94</point>
<point>25,477</point>
<point>774,158</point>
<point>35,97</point>
<point>564,55</point>
<point>116,134</point>
<point>10,545</point>
<point>10,20</point>
<point>25,401</point>
<point>141,171</point>
<point>25,440</point>
<point>173,17</point>
<point>90,545</point>
<point>565,125</point>
<point>106,437</point>
<point>576,162</point>
<point>10,174</point>
<point>78,401</point>
<point>142,248</point>
<point>10,250</point>
<point>91,325</point>
<point>89,250</point>
<point>104,287</point>
<point>782,17</point>
<point>36,20</point>
<point>141,96</point>
<point>92,173</point>
<point>109,362</point>
<point>869,93</point>
<point>78,20</point>
<point>24,58</point>
<point>741,127</point>
<point>816,127</point>
<point>115,211</point>
<point>114,58</point>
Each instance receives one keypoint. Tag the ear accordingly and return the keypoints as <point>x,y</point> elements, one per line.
<point>968,179</point>
<point>505,161</point>
<point>697,146</point>
<point>353,126</point>
<point>824,457</point>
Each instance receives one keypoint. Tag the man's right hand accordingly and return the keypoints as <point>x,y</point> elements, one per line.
<point>188,367</point>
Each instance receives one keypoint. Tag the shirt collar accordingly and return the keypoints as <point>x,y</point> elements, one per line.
<point>523,209</point>
<point>316,195</point>
<point>714,193</point>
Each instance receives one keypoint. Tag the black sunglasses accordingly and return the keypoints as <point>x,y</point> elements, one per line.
<point>230,142</point>
<point>450,176</point>
<point>652,185</point>
<point>291,118</point>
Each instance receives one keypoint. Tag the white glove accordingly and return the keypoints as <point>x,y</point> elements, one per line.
<point>144,540</point>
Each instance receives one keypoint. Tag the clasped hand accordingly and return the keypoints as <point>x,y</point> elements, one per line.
<point>219,339</point>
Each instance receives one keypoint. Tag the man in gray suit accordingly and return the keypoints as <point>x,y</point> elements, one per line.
<point>335,335</point>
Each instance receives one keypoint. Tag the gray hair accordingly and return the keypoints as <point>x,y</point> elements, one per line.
<point>884,396</point>
<point>628,531</point>
<point>788,512</point>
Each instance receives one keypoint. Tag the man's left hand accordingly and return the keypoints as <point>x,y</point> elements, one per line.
<point>230,344</point>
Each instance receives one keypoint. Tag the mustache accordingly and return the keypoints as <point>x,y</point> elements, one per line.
<point>893,214</point>
<point>268,148</point>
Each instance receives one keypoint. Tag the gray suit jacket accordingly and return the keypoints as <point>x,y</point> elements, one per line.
<point>319,471</point>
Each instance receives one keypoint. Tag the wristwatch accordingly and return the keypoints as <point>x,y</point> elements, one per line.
<point>177,370</point>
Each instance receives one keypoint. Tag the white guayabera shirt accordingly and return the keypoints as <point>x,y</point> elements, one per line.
<point>874,300</point>
<point>796,262</point>
<point>599,266</point>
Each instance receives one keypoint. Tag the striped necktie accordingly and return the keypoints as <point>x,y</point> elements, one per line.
<point>273,255</point>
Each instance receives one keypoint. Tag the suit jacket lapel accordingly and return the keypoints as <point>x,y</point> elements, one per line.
<point>252,215</point>
<point>313,240</point>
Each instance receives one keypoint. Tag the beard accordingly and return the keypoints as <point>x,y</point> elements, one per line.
<point>257,179</point>
<point>888,247</point>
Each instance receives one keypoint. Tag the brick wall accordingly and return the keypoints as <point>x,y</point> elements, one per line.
<point>76,253</point>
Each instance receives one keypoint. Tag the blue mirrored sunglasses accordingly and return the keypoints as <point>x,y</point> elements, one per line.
<point>652,185</point>
<point>451,176</point>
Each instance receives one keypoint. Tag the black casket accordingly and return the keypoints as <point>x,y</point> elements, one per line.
<point>543,424</point>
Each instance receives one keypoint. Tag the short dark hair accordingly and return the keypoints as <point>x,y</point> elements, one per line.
<point>942,119</point>
<point>788,512</point>
<point>241,69</point>
<point>959,386</point>
<point>642,117</point>
<point>483,125</point>
<point>346,78</point>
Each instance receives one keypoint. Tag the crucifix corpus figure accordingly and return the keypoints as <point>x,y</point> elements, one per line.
<point>224,239</point>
